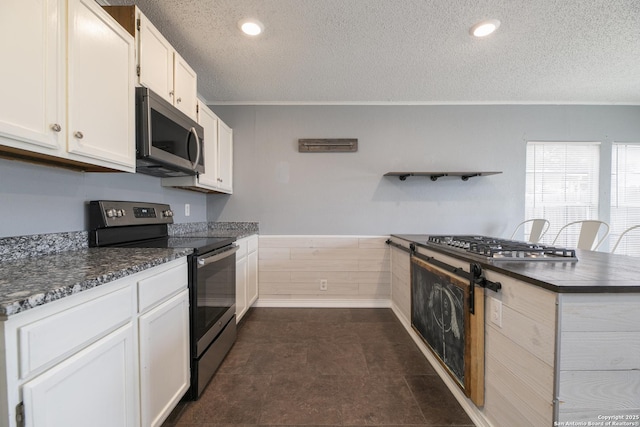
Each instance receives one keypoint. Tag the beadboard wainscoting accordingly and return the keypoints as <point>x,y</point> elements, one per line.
<point>292,269</point>
<point>599,358</point>
<point>520,354</point>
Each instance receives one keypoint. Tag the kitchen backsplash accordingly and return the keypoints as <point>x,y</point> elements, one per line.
<point>18,247</point>
<point>245,228</point>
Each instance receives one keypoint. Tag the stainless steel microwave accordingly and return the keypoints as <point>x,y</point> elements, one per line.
<point>168,142</point>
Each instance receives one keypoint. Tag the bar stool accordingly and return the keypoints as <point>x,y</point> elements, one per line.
<point>589,229</point>
<point>539,227</point>
<point>623,235</point>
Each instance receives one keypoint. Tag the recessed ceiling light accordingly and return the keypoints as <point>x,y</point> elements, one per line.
<point>251,27</point>
<point>484,28</point>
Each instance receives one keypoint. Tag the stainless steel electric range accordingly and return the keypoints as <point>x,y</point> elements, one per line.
<point>212,276</point>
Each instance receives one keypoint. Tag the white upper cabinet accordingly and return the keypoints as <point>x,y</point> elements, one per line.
<point>218,157</point>
<point>101,63</point>
<point>225,155</point>
<point>209,122</point>
<point>185,85</point>
<point>159,66</point>
<point>32,75</point>
<point>68,92</point>
<point>155,59</point>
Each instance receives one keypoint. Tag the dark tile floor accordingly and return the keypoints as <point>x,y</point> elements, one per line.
<point>316,367</point>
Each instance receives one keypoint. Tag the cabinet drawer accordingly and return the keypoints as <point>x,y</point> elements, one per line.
<point>252,243</point>
<point>55,337</point>
<point>156,288</point>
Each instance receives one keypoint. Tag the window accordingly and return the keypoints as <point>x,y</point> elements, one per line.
<point>625,197</point>
<point>562,185</point>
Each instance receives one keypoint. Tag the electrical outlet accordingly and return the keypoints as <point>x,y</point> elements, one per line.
<point>187,209</point>
<point>323,285</point>
<point>496,312</point>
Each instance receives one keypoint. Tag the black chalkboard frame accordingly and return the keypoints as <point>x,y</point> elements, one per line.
<point>472,380</point>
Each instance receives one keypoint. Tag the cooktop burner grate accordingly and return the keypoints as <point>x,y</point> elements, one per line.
<point>504,249</point>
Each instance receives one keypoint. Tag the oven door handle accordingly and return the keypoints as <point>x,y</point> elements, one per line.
<point>202,261</point>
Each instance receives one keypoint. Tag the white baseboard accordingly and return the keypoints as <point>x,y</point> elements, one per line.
<point>472,410</point>
<point>323,303</point>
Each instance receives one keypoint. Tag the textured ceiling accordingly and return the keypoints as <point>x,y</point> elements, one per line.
<point>407,51</point>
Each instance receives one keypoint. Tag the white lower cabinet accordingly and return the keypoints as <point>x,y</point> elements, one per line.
<point>241,287</point>
<point>164,358</point>
<point>246,274</point>
<point>252,276</point>
<point>114,355</point>
<point>95,387</point>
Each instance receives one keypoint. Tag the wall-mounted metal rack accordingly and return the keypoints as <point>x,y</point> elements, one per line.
<point>341,145</point>
<point>435,175</point>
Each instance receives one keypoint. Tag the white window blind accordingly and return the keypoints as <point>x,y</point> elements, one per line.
<point>562,185</point>
<point>625,197</point>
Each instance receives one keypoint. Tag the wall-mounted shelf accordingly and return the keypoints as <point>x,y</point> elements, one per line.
<point>435,175</point>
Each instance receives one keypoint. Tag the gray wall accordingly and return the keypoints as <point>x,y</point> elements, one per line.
<point>295,193</point>
<point>40,199</point>
<point>300,193</point>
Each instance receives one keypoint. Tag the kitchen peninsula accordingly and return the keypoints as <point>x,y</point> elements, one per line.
<point>562,338</point>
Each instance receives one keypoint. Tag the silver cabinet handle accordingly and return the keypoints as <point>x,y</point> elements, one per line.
<point>179,100</point>
<point>171,93</point>
<point>56,127</point>
<point>219,179</point>
<point>78,135</point>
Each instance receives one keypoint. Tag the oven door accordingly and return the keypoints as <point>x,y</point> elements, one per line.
<point>213,301</point>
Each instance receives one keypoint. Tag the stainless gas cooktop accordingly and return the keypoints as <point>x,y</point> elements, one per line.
<point>497,249</point>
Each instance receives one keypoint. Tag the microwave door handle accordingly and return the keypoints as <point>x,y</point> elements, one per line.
<point>198,150</point>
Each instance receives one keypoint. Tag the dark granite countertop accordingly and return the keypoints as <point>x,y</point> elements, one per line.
<point>30,282</point>
<point>237,230</point>
<point>236,234</point>
<point>594,272</point>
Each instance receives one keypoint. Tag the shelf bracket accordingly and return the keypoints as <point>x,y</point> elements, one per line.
<point>466,177</point>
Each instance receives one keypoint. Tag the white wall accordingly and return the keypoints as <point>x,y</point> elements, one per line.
<point>345,193</point>
<point>41,199</point>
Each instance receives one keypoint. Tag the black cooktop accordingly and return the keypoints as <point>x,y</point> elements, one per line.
<point>199,245</point>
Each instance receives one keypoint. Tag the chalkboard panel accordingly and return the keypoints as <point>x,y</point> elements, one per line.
<point>439,313</point>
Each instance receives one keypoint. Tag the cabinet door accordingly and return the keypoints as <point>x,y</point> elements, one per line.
<point>241,287</point>
<point>225,157</point>
<point>252,277</point>
<point>101,103</point>
<point>32,52</point>
<point>155,58</point>
<point>164,358</point>
<point>209,122</point>
<point>185,84</point>
<point>95,387</point>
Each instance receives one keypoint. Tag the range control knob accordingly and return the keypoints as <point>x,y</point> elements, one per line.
<point>110,213</point>
<point>168,213</point>
<point>119,213</point>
